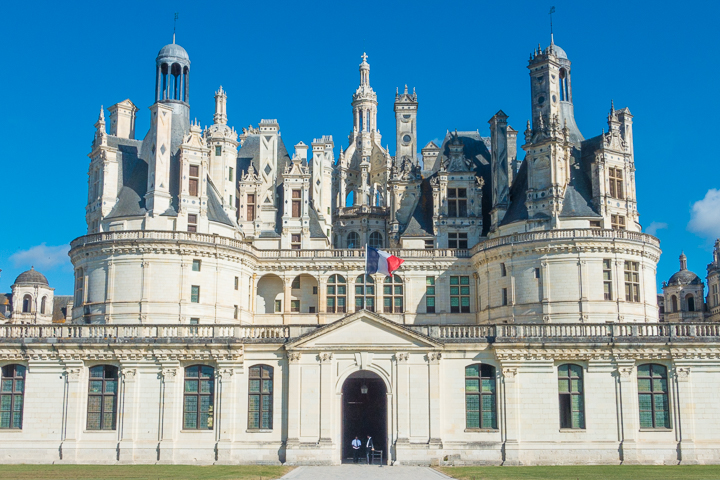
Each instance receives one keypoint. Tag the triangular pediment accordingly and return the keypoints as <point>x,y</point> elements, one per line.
<point>365,330</point>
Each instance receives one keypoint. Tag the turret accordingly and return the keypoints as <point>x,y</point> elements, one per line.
<point>223,143</point>
<point>122,119</point>
<point>406,106</point>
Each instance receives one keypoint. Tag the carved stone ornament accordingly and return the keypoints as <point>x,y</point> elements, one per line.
<point>169,373</point>
<point>625,372</point>
<point>73,374</point>
<point>434,357</point>
<point>509,372</point>
<point>325,356</point>
<point>129,373</point>
<point>226,372</point>
<point>402,356</point>
<point>294,357</point>
<point>682,373</point>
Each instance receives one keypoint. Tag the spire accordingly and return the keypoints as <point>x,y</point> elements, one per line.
<point>220,117</point>
<point>683,261</point>
<point>174,25</point>
<point>364,70</point>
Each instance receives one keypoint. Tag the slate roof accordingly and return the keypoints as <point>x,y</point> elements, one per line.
<point>215,211</point>
<point>684,277</point>
<point>420,224</point>
<point>31,276</point>
<point>132,178</point>
<point>60,308</point>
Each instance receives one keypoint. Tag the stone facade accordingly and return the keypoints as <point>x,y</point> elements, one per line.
<point>222,314</point>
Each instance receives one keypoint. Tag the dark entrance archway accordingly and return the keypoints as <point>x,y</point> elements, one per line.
<point>364,414</point>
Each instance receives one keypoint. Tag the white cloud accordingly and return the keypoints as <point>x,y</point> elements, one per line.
<point>41,257</point>
<point>653,228</point>
<point>705,216</point>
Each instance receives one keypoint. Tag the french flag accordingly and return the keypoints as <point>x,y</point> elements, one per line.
<point>378,261</point>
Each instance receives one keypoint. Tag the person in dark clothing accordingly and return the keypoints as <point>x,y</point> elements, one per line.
<point>369,448</point>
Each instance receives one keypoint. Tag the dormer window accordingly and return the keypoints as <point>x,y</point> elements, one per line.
<point>194,180</point>
<point>457,202</point>
<point>616,182</point>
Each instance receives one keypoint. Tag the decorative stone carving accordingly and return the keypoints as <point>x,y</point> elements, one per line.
<point>682,374</point>
<point>402,357</point>
<point>294,357</point>
<point>325,357</point>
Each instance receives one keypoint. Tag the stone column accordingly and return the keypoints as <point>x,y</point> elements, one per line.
<point>287,293</point>
<point>511,409</point>
<point>627,389</point>
<point>171,406</point>
<point>685,402</point>
<point>226,406</point>
<point>326,398</point>
<point>74,421</point>
<point>350,302</point>
<point>293,405</point>
<point>129,413</point>
<point>403,398</point>
<point>322,294</point>
<point>252,282</point>
<point>434,388</point>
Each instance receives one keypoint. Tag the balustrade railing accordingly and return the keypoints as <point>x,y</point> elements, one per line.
<point>503,333</point>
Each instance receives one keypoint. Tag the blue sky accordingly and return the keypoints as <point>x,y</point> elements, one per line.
<point>297,62</point>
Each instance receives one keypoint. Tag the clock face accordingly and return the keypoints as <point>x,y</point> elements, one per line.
<point>406,139</point>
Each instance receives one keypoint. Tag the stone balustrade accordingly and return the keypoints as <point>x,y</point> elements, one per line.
<point>502,333</point>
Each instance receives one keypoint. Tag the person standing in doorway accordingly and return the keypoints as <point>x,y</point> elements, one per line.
<point>356,449</point>
<point>369,448</point>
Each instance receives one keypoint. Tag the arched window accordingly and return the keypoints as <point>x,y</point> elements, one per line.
<point>572,401</point>
<point>653,396</point>
<point>393,295</point>
<point>336,294</point>
<point>43,305</point>
<point>350,199</point>
<point>260,397</point>
<point>353,240</point>
<point>364,293</point>
<point>674,304</point>
<point>199,398</point>
<point>27,304</point>
<point>480,404</point>
<point>376,240</point>
<point>102,398</point>
<point>11,396</point>
<point>690,300</point>
<point>79,283</point>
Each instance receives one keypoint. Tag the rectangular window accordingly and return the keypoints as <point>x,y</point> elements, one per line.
<point>12,394</point>
<point>295,242</point>
<point>218,150</point>
<point>102,398</point>
<point>199,398</point>
<point>311,309</point>
<point>235,313</point>
<point>480,399</point>
<point>237,283</point>
<point>192,222</point>
<point>570,391</point>
<point>504,296</point>
<point>503,270</point>
<point>460,294</point>
<point>194,321</point>
<point>430,294</point>
<point>653,396</point>
<point>196,265</point>
<point>632,282</point>
<point>715,295</point>
<point>296,283</point>
<point>537,273</point>
<point>296,203</point>
<point>231,175</point>
<point>260,397</point>
<point>79,287</point>
<point>250,207</point>
<point>429,244</point>
<point>278,306</point>
<point>295,306</point>
<point>457,240</point>
<point>194,181</point>
<point>315,290</point>
<point>617,222</point>
<point>607,279</point>
<point>616,182</point>
<point>195,294</point>
<point>457,202</point>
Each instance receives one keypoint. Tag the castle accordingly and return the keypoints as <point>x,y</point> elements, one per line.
<point>221,312</point>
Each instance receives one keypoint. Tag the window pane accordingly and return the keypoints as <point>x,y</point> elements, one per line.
<point>190,403</point>
<point>488,385</point>
<point>563,385</point>
<point>454,280</point>
<point>96,386</point>
<point>254,420</point>
<point>661,402</point>
<point>255,386</point>
<point>206,386</point>
<point>464,280</point>
<point>473,419</point>
<point>111,386</point>
<point>472,385</point>
<point>93,421</point>
<point>190,421</point>
<point>472,371</point>
<point>465,301</point>
<point>430,290</point>
<point>577,386</point>
<point>7,385</point>
<point>472,403</point>
<point>430,301</point>
<point>94,403</point>
<point>454,302</point>
<point>109,403</point>
<point>662,419</point>
<point>267,386</point>
<point>454,291</point>
<point>659,385</point>
<point>645,402</point>
<point>191,386</point>
<point>464,290</point>
<point>254,403</point>
<point>643,384</point>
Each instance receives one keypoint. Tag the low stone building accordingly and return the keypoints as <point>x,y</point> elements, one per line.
<point>221,311</point>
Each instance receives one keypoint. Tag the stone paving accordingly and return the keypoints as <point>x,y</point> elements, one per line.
<point>364,472</point>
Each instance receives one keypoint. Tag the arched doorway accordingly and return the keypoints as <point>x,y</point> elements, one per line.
<point>364,412</point>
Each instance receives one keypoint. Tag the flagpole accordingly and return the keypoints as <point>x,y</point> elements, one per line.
<point>366,260</point>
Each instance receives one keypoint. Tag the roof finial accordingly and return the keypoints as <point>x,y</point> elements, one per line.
<point>364,57</point>
<point>683,261</point>
<point>101,117</point>
<point>406,88</point>
<point>552,10</point>
<point>174,25</point>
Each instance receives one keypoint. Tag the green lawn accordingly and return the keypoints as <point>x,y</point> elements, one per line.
<point>144,472</point>
<point>587,472</point>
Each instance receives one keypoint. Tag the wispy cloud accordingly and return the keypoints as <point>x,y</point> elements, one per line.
<point>653,228</point>
<point>705,216</point>
<point>41,256</point>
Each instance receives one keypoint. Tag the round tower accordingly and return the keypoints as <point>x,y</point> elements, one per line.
<point>172,78</point>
